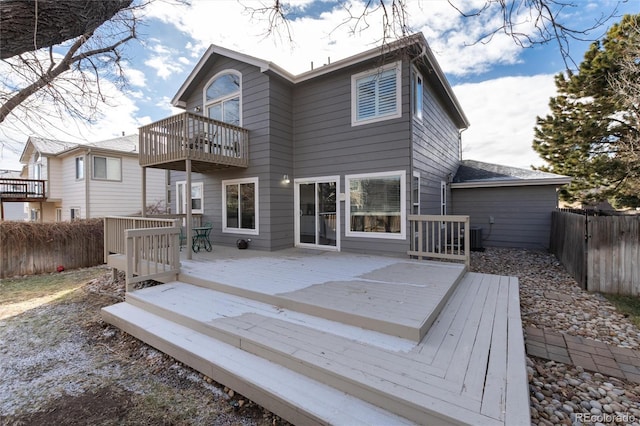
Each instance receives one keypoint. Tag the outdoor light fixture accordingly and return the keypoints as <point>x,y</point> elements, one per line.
<point>197,109</point>
<point>285,179</point>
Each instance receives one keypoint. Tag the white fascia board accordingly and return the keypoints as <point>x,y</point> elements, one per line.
<point>232,54</point>
<point>559,181</point>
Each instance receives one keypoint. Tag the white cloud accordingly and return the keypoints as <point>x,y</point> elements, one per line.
<point>163,61</point>
<point>453,38</point>
<point>503,114</point>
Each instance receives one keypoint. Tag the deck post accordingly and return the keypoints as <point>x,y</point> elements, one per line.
<point>144,192</point>
<point>187,194</point>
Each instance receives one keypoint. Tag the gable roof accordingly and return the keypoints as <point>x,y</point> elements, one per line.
<point>476,174</point>
<point>52,147</point>
<point>438,79</point>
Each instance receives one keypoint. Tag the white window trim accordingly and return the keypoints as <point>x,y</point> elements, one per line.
<point>183,208</point>
<point>416,203</point>
<point>76,162</point>
<point>354,78</point>
<point>403,206</point>
<point>443,198</point>
<point>206,104</point>
<point>106,157</point>
<point>244,231</point>
<point>417,114</point>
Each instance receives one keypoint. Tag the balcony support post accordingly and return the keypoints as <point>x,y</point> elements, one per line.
<point>187,195</point>
<point>144,192</point>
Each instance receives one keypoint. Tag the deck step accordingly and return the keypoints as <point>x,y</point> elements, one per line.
<point>396,299</point>
<point>289,394</point>
<point>395,380</point>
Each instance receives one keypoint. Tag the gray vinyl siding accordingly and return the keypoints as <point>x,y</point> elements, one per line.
<point>305,131</point>
<point>326,144</point>
<point>522,215</point>
<point>266,113</point>
<point>435,150</point>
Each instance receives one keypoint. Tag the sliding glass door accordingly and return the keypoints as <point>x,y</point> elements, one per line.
<point>317,216</point>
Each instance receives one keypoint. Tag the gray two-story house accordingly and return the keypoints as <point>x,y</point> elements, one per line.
<point>336,157</point>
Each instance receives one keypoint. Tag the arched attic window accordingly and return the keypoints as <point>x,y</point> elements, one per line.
<point>222,97</point>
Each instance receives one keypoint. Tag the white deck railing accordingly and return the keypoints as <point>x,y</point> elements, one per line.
<point>115,226</point>
<point>152,253</point>
<point>440,237</point>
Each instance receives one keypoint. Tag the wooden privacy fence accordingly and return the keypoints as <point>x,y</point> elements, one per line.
<point>440,237</point>
<point>602,253</point>
<point>28,248</point>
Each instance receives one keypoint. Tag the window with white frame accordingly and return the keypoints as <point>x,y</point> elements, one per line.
<point>376,205</point>
<point>415,192</point>
<point>107,168</point>
<point>197,205</point>
<point>222,97</point>
<point>37,171</point>
<point>79,168</point>
<point>240,206</point>
<point>417,94</point>
<point>58,214</point>
<point>443,198</point>
<point>74,213</point>
<point>375,95</point>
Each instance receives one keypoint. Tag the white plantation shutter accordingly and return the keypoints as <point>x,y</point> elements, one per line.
<point>376,95</point>
<point>387,93</point>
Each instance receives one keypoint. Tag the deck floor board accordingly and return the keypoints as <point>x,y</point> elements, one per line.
<point>466,369</point>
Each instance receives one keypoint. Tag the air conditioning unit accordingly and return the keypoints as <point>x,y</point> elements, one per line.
<point>476,238</point>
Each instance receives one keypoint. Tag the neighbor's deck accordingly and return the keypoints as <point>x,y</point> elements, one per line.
<point>469,368</point>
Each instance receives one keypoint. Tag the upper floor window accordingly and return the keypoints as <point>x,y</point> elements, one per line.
<point>107,168</point>
<point>375,95</point>
<point>417,95</point>
<point>79,168</point>
<point>222,97</point>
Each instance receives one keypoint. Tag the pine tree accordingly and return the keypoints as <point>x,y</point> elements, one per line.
<point>592,131</point>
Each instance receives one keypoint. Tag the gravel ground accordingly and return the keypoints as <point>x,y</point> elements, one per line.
<point>550,298</point>
<point>62,364</point>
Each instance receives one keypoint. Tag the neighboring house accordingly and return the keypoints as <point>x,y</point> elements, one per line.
<point>511,205</point>
<point>88,180</point>
<point>333,158</point>
<point>10,210</point>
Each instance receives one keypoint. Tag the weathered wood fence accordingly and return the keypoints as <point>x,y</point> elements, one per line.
<point>28,248</point>
<point>601,252</point>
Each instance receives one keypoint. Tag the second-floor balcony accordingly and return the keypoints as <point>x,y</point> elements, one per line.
<point>208,143</point>
<point>22,190</point>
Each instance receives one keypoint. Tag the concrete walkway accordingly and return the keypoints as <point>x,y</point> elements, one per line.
<point>609,360</point>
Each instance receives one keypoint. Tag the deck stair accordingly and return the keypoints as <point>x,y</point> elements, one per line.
<point>310,369</point>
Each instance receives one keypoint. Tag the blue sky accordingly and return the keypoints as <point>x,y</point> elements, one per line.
<point>501,87</point>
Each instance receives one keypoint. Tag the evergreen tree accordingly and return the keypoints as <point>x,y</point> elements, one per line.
<point>592,131</point>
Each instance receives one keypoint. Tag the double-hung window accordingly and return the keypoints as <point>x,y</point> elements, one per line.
<point>376,205</point>
<point>107,168</point>
<point>240,206</point>
<point>222,97</point>
<point>196,197</point>
<point>79,168</point>
<point>417,94</point>
<point>375,95</point>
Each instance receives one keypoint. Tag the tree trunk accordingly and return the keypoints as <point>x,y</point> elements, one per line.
<point>30,25</point>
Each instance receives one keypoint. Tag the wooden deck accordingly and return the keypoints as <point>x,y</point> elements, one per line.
<point>284,317</point>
